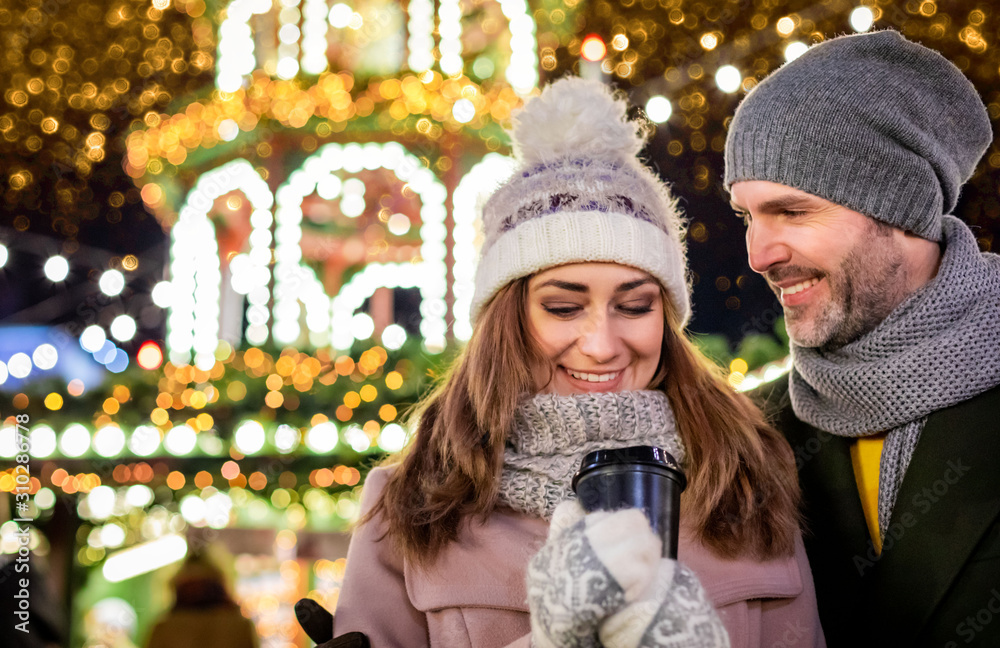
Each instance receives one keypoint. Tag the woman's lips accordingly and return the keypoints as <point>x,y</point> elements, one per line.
<point>587,381</point>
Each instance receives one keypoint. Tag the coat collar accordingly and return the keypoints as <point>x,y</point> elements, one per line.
<point>946,503</point>
<point>728,580</point>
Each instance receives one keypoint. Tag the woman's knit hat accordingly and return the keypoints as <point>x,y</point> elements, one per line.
<point>579,194</point>
<point>872,122</point>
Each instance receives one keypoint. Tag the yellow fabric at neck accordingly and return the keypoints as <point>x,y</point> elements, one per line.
<point>866,455</point>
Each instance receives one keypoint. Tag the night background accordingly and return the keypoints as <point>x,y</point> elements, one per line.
<point>266,214</point>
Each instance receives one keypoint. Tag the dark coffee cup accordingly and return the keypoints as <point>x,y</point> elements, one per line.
<point>643,477</point>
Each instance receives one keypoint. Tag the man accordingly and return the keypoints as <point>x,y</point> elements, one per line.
<point>842,164</point>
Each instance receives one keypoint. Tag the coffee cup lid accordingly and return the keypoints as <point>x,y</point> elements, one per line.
<point>642,455</point>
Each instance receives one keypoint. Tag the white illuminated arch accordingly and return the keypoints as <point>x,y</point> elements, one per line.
<point>193,323</point>
<point>236,56</point>
<point>420,42</point>
<point>296,283</point>
<point>362,286</point>
<point>481,180</point>
<point>315,14</point>
<point>450,31</point>
<point>522,72</point>
<point>288,39</point>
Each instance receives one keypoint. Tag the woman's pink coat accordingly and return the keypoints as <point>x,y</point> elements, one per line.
<point>474,595</point>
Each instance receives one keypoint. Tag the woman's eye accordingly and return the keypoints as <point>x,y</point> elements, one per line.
<point>636,309</point>
<point>561,310</point>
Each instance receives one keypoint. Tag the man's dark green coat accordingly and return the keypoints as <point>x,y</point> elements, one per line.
<point>937,581</point>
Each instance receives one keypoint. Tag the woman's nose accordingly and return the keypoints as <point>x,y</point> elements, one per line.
<point>598,339</point>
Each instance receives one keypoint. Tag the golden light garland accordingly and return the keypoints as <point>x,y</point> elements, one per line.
<point>170,139</point>
<point>73,75</point>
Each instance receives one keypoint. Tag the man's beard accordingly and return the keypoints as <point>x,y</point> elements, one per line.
<point>867,286</point>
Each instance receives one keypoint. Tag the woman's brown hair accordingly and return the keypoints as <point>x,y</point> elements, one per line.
<point>742,496</point>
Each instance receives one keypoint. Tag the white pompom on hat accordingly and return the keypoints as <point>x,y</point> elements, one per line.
<point>580,194</point>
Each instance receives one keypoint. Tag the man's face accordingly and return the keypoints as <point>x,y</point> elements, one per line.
<point>837,273</point>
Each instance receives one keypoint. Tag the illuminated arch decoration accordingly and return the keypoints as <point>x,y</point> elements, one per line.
<point>481,180</point>
<point>315,14</point>
<point>193,323</point>
<point>296,283</point>
<point>522,72</point>
<point>361,286</point>
<point>307,47</point>
<point>288,39</point>
<point>450,31</point>
<point>420,42</point>
<point>236,57</point>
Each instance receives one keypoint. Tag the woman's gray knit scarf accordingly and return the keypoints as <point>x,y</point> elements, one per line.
<point>552,434</point>
<point>937,349</point>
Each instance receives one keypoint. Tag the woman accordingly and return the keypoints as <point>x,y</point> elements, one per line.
<point>472,537</point>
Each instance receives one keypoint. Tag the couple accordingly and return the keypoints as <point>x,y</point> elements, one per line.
<point>843,165</point>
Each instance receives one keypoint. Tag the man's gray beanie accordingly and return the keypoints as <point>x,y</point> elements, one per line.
<point>872,122</point>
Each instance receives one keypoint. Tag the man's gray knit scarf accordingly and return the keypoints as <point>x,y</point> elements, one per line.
<point>937,349</point>
<point>552,434</point>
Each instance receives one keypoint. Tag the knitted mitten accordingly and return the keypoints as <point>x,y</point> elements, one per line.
<point>674,611</point>
<point>590,567</point>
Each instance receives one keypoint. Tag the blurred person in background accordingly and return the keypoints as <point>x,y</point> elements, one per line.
<point>204,614</point>
<point>32,616</point>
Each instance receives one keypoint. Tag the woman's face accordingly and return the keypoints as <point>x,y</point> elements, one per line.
<point>599,327</point>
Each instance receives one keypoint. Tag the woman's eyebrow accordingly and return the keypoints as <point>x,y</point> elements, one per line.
<point>631,285</point>
<point>583,288</point>
<point>565,285</point>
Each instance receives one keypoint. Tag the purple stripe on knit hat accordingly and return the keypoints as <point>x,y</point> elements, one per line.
<point>611,203</point>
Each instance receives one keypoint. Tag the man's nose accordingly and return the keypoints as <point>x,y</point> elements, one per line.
<point>765,246</point>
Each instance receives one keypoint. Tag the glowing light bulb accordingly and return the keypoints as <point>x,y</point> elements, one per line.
<point>593,48</point>
<point>111,283</point>
<point>93,338</point>
<point>728,78</point>
<point>150,356</point>
<point>794,50</point>
<point>123,328</point>
<point>249,437</point>
<point>45,356</point>
<point>862,19</point>
<point>463,111</point>
<point>19,365</point>
<point>56,268</point>
<point>659,109</point>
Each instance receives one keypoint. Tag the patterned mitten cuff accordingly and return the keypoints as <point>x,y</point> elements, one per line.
<point>590,567</point>
<point>674,611</point>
